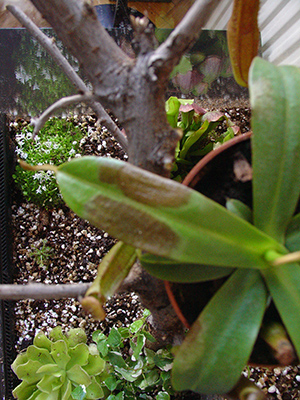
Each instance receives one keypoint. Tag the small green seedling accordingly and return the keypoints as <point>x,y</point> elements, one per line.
<point>42,254</point>
<point>143,372</point>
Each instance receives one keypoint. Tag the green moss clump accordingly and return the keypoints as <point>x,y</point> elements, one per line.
<point>56,143</point>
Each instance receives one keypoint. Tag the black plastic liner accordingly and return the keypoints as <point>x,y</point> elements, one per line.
<point>7,333</point>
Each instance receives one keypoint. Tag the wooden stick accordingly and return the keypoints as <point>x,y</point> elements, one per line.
<point>41,291</point>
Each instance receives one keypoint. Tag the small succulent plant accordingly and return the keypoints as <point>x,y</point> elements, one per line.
<point>59,367</point>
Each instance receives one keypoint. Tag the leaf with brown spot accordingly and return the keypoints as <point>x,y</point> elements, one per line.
<point>184,226</point>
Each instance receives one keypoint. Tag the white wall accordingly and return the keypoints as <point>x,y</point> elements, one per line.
<point>279,22</point>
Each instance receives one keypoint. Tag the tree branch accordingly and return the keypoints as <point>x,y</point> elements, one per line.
<point>168,54</point>
<point>50,46</point>
<point>40,291</point>
<point>61,103</point>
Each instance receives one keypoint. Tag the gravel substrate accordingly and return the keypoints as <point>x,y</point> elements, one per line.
<point>75,250</point>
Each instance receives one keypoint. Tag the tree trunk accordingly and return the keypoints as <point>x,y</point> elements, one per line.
<point>134,90</point>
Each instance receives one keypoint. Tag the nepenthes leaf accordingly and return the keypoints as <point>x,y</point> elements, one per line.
<point>160,216</point>
<point>112,270</point>
<point>274,94</point>
<point>284,285</point>
<point>166,269</point>
<point>243,38</point>
<point>220,342</point>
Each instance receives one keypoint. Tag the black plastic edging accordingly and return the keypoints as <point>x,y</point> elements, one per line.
<point>7,336</point>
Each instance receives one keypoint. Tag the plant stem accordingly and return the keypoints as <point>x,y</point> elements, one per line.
<point>45,167</point>
<point>61,103</point>
<point>286,259</point>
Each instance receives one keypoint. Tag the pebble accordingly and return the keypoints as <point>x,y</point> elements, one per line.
<point>272,389</point>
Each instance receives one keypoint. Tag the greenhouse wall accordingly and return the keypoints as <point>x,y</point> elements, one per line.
<point>279,21</point>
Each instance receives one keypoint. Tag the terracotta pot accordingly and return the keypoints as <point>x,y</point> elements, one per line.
<point>222,174</point>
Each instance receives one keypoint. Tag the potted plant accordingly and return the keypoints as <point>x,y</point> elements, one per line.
<point>273,94</point>
<point>186,237</point>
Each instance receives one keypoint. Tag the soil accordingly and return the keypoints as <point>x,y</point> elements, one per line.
<point>76,250</point>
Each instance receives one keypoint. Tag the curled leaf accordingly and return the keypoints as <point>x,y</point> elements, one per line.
<point>94,307</point>
<point>112,270</point>
<point>276,337</point>
<point>243,38</point>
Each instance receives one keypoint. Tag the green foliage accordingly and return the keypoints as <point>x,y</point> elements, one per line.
<point>199,133</point>
<point>63,367</point>
<point>275,147</point>
<point>163,217</point>
<point>223,335</point>
<point>276,90</point>
<point>59,367</point>
<point>56,143</point>
<point>185,231</point>
<point>140,374</point>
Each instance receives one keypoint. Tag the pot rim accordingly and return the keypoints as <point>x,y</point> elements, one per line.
<point>192,177</point>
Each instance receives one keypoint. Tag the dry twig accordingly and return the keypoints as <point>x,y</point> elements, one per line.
<point>40,291</point>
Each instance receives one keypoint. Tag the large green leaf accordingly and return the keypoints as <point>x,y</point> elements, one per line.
<point>284,285</point>
<point>166,269</point>
<point>275,100</point>
<point>160,216</point>
<point>220,342</point>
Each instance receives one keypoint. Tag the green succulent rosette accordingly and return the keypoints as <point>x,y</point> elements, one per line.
<point>59,367</point>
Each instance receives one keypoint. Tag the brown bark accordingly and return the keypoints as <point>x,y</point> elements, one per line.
<point>134,89</point>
